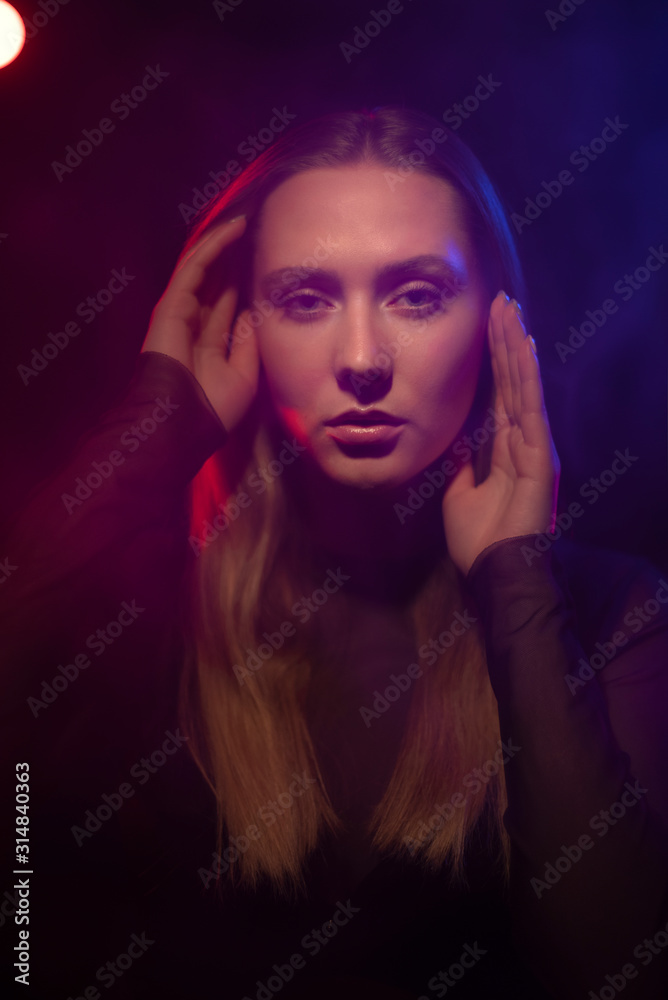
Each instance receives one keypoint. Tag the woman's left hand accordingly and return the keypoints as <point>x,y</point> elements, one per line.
<point>519,495</point>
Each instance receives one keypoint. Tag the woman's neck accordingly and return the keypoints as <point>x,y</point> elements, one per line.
<point>386,543</point>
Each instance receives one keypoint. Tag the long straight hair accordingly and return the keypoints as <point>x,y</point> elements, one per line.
<point>247,728</point>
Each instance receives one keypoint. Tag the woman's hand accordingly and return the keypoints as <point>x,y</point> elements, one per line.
<point>519,495</point>
<point>192,320</point>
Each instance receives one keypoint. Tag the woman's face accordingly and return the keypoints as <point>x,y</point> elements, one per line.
<point>374,319</point>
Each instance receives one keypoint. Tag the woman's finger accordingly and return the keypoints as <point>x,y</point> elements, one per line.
<point>215,328</point>
<point>514,336</point>
<point>192,267</point>
<point>499,354</point>
<point>534,421</point>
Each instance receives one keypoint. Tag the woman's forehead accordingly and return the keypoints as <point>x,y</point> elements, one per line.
<point>360,211</point>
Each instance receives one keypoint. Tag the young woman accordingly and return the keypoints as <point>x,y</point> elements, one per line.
<point>419,778</point>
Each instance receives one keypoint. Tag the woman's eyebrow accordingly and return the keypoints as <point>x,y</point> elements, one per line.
<point>291,276</point>
<point>444,269</point>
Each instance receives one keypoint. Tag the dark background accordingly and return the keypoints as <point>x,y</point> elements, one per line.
<point>60,240</point>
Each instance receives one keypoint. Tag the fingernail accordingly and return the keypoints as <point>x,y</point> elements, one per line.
<point>518,308</point>
<point>235,219</point>
<point>501,292</point>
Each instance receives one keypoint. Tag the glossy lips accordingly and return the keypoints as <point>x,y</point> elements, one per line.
<point>364,427</point>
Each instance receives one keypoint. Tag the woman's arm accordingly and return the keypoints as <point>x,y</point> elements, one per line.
<point>587,803</point>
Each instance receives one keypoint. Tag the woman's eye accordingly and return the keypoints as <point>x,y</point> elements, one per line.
<point>303,306</point>
<point>416,301</point>
<point>419,300</point>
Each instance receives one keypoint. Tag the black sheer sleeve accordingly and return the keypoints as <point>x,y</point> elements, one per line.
<point>588,793</point>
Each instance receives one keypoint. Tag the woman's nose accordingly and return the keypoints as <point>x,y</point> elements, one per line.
<point>361,362</point>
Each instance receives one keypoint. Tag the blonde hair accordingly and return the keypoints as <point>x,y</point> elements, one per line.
<point>247,729</point>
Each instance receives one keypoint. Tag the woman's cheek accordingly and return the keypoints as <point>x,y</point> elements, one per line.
<point>295,388</point>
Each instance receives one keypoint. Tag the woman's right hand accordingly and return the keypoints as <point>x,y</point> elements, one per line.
<point>192,320</point>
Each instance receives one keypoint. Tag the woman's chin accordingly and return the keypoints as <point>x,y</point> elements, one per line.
<point>368,475</point>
